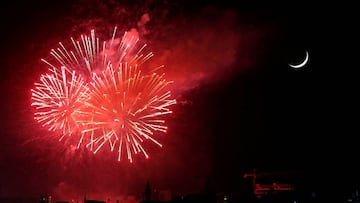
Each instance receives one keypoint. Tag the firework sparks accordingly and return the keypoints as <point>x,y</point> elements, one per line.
<point>88,55</point>
<point>126,107</point>
<point>56,98</point>
<point>117,104</point>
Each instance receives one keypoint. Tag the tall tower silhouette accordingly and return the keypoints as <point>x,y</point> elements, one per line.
<point>147,192</point>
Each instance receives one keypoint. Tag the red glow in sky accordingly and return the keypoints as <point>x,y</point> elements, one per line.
<point>206,45</point>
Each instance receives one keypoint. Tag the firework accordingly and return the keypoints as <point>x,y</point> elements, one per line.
<point>104,96</point>
<point>56,97</point>
<point>126,108</point>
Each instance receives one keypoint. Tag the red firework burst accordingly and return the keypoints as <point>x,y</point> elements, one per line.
<point>118,104</point>
<point>56,98</point>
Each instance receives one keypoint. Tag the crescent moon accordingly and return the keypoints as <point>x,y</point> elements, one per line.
<point>302,63</point>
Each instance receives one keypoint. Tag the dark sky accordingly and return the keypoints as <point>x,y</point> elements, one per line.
<point>241,105</point>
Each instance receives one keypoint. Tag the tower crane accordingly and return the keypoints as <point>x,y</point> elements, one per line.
<point>261,189</point>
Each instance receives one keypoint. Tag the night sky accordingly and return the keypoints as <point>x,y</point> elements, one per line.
<point>240,106</point>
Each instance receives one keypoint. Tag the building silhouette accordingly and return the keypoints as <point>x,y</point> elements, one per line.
<point>147,192</point>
